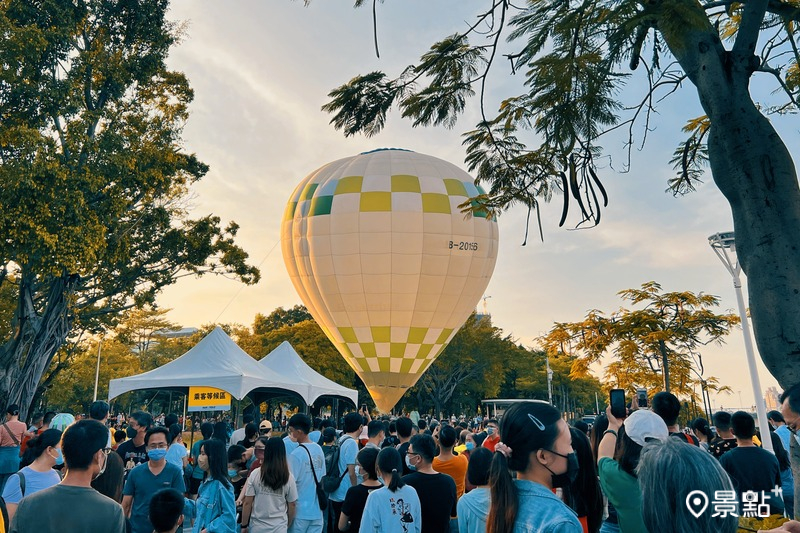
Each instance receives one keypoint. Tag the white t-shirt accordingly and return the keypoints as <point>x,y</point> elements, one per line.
<point>269,506</point>
<point>236,436</point>
<point>300,467</point>
<point>392,512</point>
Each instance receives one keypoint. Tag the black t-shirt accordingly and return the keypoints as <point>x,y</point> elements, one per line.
<point>437,496</point>
<point>685,437</point>
<point>130,452</point>
<point>403,449</point>
<point>720,446</point>
<point>354,502</point>
<point>753,468</point>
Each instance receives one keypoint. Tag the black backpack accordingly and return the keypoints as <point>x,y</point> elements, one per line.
<point>333,478</point>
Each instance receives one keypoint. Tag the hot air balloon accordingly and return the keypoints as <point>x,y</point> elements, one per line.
<point>387,262</point>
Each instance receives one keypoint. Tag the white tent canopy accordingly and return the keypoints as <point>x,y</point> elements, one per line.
<point>216,361</point>
<point>285,361</point>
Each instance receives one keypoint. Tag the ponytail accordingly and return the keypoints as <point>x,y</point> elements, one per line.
<point>389,460</point>
<point>503,509</point>
<point>396,482</point>
<point>38,444</point>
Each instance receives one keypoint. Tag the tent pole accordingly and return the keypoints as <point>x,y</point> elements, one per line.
<point>183,420</point>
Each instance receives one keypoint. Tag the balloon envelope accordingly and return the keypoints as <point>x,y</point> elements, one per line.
<point>387,262</point>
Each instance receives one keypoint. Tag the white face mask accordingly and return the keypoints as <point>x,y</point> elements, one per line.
<point>359,472</point>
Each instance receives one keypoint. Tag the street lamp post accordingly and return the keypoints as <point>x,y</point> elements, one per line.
<point>724,245</point>
<point>549,382</point>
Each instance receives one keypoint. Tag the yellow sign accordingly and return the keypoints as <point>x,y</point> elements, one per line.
<point>208,399</point>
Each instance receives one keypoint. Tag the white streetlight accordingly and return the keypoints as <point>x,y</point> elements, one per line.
<point>549,381</point>
<point>724,245</point>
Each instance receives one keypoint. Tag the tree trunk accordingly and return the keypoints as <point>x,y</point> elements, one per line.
<point>37,337</point>
<point>753,169</point>
<point>664,364</point>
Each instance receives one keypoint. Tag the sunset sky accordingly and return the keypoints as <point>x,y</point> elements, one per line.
<point>262,70</point>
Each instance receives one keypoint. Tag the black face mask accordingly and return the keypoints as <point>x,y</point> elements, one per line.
<point>131,432</point>
<point>567,478</point>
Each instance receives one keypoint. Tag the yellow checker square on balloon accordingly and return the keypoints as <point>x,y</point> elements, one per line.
<point>384,364</point>
<point>381,333</point>
<point>375,201</point>
<point>368,349</point>
<point>405,183</point>
<point>405,365</point>
<point>416,335</point>
<point>397,349</point>
<point>455,187</point>
<point>435,203</point>
<point>348,334</point>
<point>308,191</point>
<point>424,351</point>
<point>349,184</point>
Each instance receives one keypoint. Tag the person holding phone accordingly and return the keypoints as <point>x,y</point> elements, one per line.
<point>617,467</point>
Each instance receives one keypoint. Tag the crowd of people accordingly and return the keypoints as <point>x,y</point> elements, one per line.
<point>527,472</point>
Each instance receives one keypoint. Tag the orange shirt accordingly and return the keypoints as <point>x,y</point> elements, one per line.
<point>456,468</point>
<point>16,428</point>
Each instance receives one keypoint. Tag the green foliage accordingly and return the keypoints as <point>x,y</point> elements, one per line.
<point>94,173</point>
<point>279,318</point>
<point>575,59</point>
<point>671,324</point>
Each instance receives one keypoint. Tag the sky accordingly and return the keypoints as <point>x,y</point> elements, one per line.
<point>262,70</point>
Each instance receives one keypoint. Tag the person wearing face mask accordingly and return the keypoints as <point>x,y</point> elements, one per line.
<point>616,465</point>
<point>437,492</point>
<point>492,435</point>
<point>356,497</point>
<point>134,451</point>
<point>148,478</point>
<point>45,452</point>
<point>583,494</point>
<point>73,505</point>
<point>395,507</point>
<point>534,443</point>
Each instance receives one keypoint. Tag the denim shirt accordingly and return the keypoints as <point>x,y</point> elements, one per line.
<point>540,511</point>
<point>214,509</point>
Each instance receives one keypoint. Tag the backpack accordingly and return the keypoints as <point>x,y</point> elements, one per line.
<point>333,478</point>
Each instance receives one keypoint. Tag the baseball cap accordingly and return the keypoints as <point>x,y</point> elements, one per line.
<point>644,425</point>
<point>265,425</point>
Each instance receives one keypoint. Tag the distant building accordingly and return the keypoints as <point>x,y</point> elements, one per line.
<point>771,396</point>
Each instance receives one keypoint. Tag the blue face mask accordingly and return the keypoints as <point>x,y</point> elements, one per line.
<point>157,454</point>
<point>59,457</point>
<point>408,463</point>
<point>232,473</point>
<point>490,430</point>
<point>470,446</point>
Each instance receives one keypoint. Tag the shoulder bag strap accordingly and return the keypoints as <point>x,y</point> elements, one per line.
<point>13,437</point>
<point>311,462</point>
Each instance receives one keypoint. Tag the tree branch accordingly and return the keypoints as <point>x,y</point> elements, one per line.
<point>747,37</point>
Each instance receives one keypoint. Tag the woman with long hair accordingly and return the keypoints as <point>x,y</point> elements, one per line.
<point>195,473</point>
<point>703,432</point>
<point>356,497</point>
<point>271,493</point>
<point>214,511</point>
<point>617,464</point>
<point>583,495</point>
<point>534,443</point>
<point>395,507</point>
<point>176,453</point>
<point>44,452</point>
